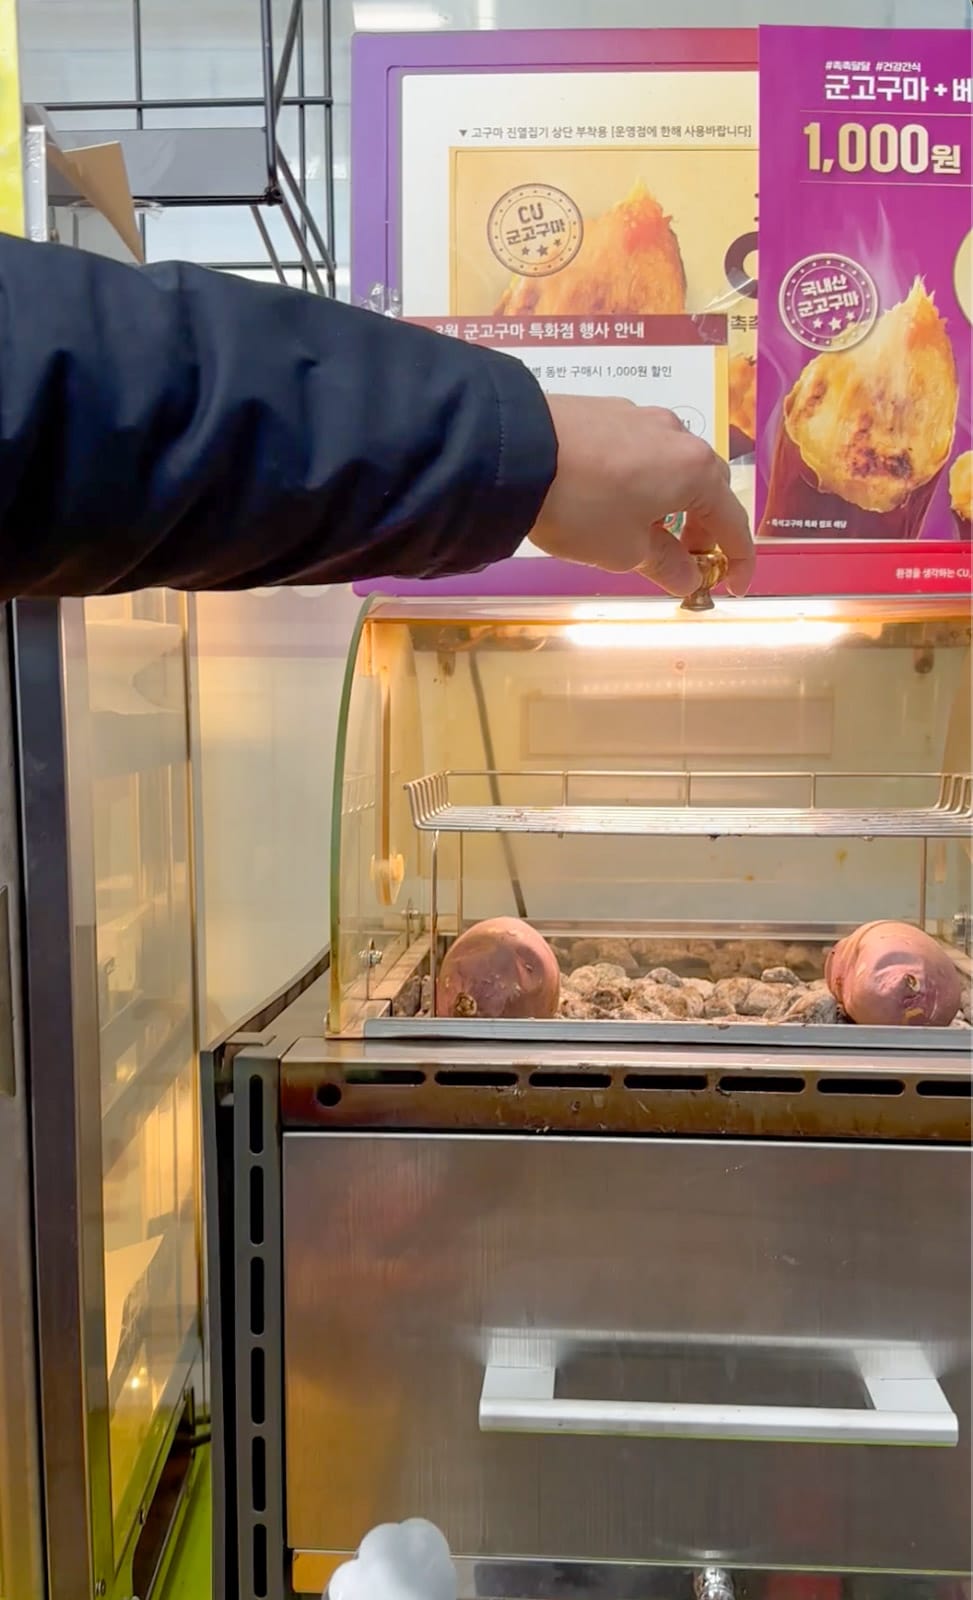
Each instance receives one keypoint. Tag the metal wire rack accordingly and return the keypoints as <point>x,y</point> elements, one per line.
<point>946,814</point>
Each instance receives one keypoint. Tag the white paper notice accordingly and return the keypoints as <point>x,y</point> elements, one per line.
<point>598,225</point>
<point>568,112</point>
<point>679,378</point>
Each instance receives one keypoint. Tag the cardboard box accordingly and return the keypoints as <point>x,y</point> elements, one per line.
<point>91,175</point>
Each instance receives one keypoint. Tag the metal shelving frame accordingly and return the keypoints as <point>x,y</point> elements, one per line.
<point>250,167</point>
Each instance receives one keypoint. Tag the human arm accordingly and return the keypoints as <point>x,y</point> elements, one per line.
<point>179,427</point>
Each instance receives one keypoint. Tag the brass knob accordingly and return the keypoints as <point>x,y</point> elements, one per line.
<point>713,566</point>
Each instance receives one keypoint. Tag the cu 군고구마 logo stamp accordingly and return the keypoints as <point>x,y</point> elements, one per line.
<point>535,230</point>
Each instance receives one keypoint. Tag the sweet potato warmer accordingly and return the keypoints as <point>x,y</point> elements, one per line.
<point>603,822</point>
<point>617,1216</point>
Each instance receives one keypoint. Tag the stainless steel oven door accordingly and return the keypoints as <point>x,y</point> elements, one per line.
<point>595,1350</point>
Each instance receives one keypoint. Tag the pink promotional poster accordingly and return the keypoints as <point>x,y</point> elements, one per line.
<point>866,287</point>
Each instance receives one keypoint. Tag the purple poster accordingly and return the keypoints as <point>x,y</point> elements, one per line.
<point>866,285</point>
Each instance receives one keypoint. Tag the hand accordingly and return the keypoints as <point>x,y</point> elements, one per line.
<point>622,469</point>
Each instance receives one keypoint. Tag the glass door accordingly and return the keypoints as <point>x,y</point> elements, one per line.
<point>110,950</point>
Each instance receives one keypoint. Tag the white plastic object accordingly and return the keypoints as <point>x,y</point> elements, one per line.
<point>398,1561</point>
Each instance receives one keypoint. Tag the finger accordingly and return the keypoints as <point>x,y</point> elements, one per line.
<point>668,563</point>
<point>717,519</point>
<point>731,534</point>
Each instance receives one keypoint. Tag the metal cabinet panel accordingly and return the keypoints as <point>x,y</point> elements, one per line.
<point>21,1560</point>
<point>683,1273</point>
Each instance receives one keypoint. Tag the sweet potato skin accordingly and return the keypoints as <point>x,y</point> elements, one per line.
<point>499,968</point>
<point>890,974</point>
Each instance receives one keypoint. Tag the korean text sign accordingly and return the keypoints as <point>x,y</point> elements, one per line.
<point>866,280</point>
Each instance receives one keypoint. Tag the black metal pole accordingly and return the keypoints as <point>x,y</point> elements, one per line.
<point>307,259</point>
<point>139,91</point>
<point>287,52</point>
<point>245,103</point>
<point>269,101</point>
<point>258,265</point>
<point>312,227</point>
<point>328,87</point>
<point>302,121</point>
<point>268,242</point>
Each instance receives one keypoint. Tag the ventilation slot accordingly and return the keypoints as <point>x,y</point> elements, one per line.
<point>760,1083</point>
<point>260,1561</point>
<point>570,1080</point>
<point>256,1117</point>
<point>256,1206</point>
<point>258,1389</point>
<point>861,1086</point>
<point>407,1077</point>
<point>259,1474</point>
<point>945,1088</point>
<point>257,1298</point>
<point>478,1080</point>
<point>667,1082</point>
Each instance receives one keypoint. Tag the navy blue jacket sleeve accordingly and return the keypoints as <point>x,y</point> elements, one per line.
<point>182,427</point>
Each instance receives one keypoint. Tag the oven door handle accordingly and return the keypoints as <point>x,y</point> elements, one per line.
<point>902,1410</point>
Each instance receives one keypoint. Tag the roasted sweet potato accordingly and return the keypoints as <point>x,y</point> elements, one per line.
<point>499,968</point>
<point>890,974</point>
